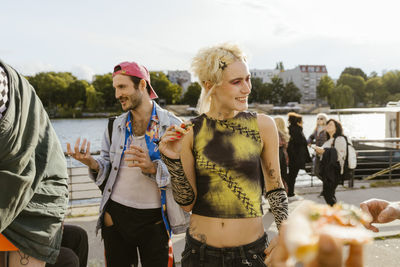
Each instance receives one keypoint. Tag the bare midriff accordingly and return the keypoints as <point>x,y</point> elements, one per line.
<point>223,232</point>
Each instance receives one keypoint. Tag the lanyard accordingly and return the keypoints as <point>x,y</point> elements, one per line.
<point>151,135</point>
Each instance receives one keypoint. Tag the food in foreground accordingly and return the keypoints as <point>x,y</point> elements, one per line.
<point>307,222</point>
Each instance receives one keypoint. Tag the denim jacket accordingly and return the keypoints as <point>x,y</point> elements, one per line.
<point>110,156</point>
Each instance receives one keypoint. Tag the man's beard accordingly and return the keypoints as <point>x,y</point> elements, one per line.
<point>135,101</point>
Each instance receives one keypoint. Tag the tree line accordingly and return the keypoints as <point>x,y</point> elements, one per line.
<point>64,95</point>
<point>274,92</point>
<point>355,89</point>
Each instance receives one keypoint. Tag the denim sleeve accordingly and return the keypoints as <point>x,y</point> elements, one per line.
<point>162,176</point>
<point>103,160</point>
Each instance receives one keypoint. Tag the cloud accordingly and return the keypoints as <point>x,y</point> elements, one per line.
<point>31,68</point>
<point>83,72</point>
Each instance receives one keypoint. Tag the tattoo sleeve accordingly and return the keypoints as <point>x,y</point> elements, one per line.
<point>181,188</point>
<point>278,202</point>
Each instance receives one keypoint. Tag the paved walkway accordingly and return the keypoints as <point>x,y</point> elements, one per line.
<point>375,253</point>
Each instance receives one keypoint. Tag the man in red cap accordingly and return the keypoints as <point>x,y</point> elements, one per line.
<point>130,172</point>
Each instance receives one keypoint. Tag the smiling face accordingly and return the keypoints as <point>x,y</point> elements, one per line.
<point>125,91</point>
<point>235,88</point>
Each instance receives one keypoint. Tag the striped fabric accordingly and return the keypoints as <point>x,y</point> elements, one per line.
<point>3,92</point>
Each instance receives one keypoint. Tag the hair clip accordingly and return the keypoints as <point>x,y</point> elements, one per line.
<point>222,64</point>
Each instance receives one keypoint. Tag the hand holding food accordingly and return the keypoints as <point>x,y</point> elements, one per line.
<point>171,142</point>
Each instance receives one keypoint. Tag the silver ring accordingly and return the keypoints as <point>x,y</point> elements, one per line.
<point>82,151</point>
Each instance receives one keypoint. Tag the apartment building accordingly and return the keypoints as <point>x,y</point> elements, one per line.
<point>265,74</point>
<point>181,77</point>
<point>306,78</point>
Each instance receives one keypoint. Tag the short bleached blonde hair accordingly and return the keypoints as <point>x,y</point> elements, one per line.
<point>209,64</point>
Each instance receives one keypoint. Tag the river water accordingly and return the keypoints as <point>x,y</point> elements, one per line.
<point>369,126</point>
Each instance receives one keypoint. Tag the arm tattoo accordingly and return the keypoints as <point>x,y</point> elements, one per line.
<point>181,188</point>
<point>278,202</point>
<point>274,179</point>
<point>24,258</point>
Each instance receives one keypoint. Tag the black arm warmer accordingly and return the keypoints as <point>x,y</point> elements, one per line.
<point>181,188</point>
<point>278,202</point>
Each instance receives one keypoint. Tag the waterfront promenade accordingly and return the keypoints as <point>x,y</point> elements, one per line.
<point>383,252</point>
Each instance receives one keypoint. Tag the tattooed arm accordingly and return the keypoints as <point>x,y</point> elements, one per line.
<point>180,165</point>
<point>276,194</point>
<point>270,152</point>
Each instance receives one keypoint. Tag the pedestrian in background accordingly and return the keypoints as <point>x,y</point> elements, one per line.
<point>297,151</point>
<point>318,138</point>
<point>333,155</point>
<point>283,144</point>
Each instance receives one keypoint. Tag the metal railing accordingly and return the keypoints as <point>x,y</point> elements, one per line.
<point>377,158</point>
<point>83,192</point>
<point>373,156</point>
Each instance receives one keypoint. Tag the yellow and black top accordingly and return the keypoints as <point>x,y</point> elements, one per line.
<point>228,169</point>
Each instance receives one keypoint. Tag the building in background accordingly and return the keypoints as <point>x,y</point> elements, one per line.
<point>265,74</point>
<point>181,77</point>
<point>306,78</point>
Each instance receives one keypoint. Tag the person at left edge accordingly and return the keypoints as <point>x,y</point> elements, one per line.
<point>130,214</point>
<point>33,176</point>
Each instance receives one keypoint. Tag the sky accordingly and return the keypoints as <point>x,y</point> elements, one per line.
<point>88,37</point>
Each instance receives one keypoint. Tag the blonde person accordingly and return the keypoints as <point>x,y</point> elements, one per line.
<point>283,144</point>
<point>216,166</point>
<point>318,137</point>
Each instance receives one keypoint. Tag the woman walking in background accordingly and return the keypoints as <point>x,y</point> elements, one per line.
<point>318,137</point>
<point>297,151</point>
<point>333,154</point>
<point>283,144</point>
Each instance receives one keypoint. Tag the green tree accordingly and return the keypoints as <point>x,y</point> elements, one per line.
<point>391,81</point>
<point>355,72</point>
<point>374,92</point>
<point>51,87</point>
<point>279,66</point>
<point>103,84</point>
<point>357,83</point>
<point>373,74</point>
<point>276,88</point>
<point>94,100</point>
<point>259,91</point>
<point>192,94</point>
<point>76,92</point>
<point>291,93</point>
<point>341,97</point>
<point>325,87</point>
<point>165,89</point>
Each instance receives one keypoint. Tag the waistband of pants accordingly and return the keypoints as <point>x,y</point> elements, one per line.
<point>238,250</point>
<point>145,215</point>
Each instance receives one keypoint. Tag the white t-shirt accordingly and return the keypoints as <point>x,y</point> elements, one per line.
<point>134,189</point>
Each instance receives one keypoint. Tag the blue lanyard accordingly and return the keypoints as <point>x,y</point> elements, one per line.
<point>151,141</point>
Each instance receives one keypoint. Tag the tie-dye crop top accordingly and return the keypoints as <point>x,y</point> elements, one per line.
<point>228,169</point>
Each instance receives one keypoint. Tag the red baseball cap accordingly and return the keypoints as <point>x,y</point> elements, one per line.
<point>136,70</point>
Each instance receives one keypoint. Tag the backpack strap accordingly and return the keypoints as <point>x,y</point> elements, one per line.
<point>110,128</point>
<point>110,132</point>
